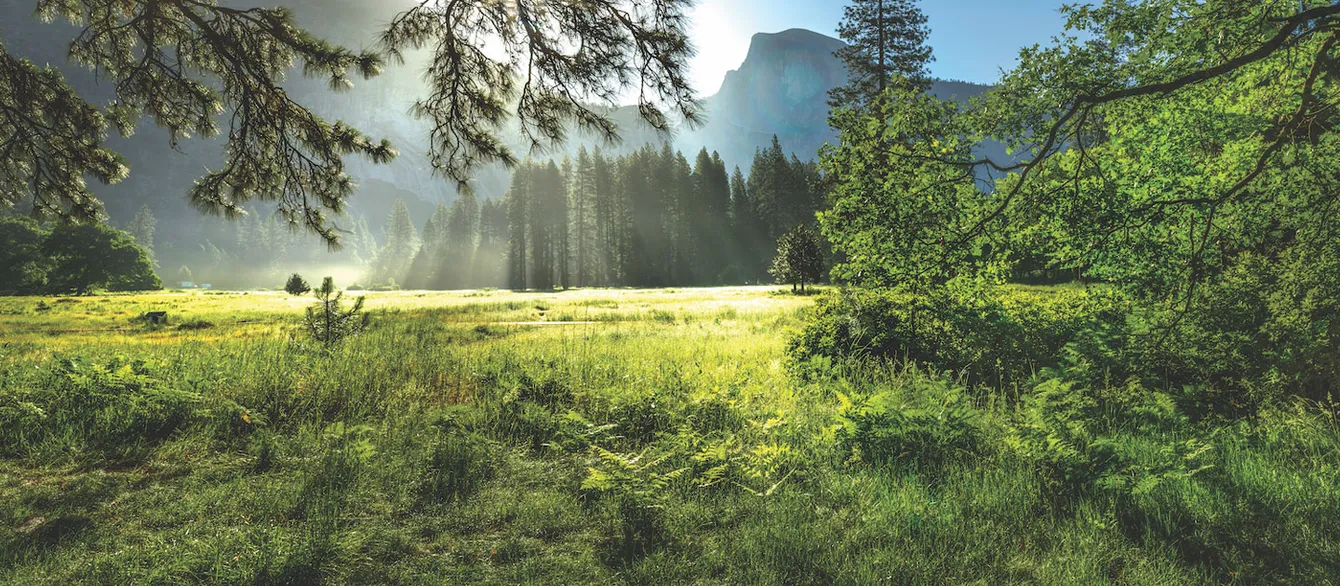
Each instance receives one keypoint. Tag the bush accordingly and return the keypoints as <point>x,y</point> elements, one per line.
<point>1267,328</point>
<point>1123,441</point>
<point>296,285</point>
<point>930,428</point>
<point>995,335</point>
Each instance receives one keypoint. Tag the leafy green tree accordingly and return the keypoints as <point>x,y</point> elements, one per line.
<point>86,257</point>
<point>297,285</point>
<point>893,203</point>
<point>182,62</point>
<point>23,261</point>
<point>886,47</point>
<point>799,258</point>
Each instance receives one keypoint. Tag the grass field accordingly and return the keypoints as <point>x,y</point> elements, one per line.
<point>596,436</point>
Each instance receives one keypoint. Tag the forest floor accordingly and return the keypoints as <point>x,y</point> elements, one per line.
<point>662,436</point>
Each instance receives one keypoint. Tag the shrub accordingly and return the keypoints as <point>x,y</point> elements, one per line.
<point>1269,327</point>
<point>927,429</point>
<point>1122,441</point>
<point>639,488</point>
<point>996,335</point>
<point>296,285</point>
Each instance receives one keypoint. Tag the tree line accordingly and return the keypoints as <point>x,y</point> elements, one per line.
<point>649,218</point>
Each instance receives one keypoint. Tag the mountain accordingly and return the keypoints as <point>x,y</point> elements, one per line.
<point>781,88</point>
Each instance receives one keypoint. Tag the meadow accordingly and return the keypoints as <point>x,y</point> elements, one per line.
<point>609,436</point>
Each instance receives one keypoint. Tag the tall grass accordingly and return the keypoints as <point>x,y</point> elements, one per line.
<point>669,443</point>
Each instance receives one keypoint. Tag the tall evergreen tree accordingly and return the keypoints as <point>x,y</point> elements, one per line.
<point>490,256</point>
<point>424,270</point>
<point>744,228</point>
<point>886,45</point>
<point>582,209</point>
<point>457,261</point>
<point>519,211</point>
<point>142,227</point>
<point>402,242</point>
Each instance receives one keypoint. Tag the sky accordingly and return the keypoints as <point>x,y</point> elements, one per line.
<point>972,39</point>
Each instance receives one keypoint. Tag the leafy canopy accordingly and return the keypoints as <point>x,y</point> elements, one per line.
<point>1156,144</point>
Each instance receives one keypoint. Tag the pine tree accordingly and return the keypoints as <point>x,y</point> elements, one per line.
<point>296,285</point>
<point>328,322</point>
<point>744,227</point>
<point>519,208</point>
<point>490,257</point>
<point>582,209</point>
<point>886,49</point>
<point>425,270</point>
<point>402,242</point>
<point>364,243</point>
<point>462,230</point>
<point>142,228</point>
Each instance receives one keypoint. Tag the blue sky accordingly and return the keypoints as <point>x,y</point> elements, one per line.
<point>972,39</point>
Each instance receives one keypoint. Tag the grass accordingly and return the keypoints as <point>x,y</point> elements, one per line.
<point>644,437</point>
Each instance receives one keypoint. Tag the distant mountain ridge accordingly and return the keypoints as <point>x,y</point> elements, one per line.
<point>781,88</point>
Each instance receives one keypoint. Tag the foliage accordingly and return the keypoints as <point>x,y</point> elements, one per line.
<point>109,411</point>
<point>23,262</point>
<point>85,257</point>
<point>799,259</point>
<point>328,321</point>
<point>296,285</point>
<point>1122,440</point>
<point>997,336</point>
<point>898,189</point>
<point>886,46</point>
<point>639,486</point>
<point>933,427</point>
<point>329,473</point>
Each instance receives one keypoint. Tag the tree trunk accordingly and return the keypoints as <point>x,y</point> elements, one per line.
<point>883,66</point>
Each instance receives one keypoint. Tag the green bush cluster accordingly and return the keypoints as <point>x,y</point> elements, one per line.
<point>997,336</point>
<point>1269,327</point>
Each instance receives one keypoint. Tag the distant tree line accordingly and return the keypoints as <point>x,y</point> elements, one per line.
<point>649,218</point>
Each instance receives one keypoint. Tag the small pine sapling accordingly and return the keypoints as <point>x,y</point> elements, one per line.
<point>328,322</point>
